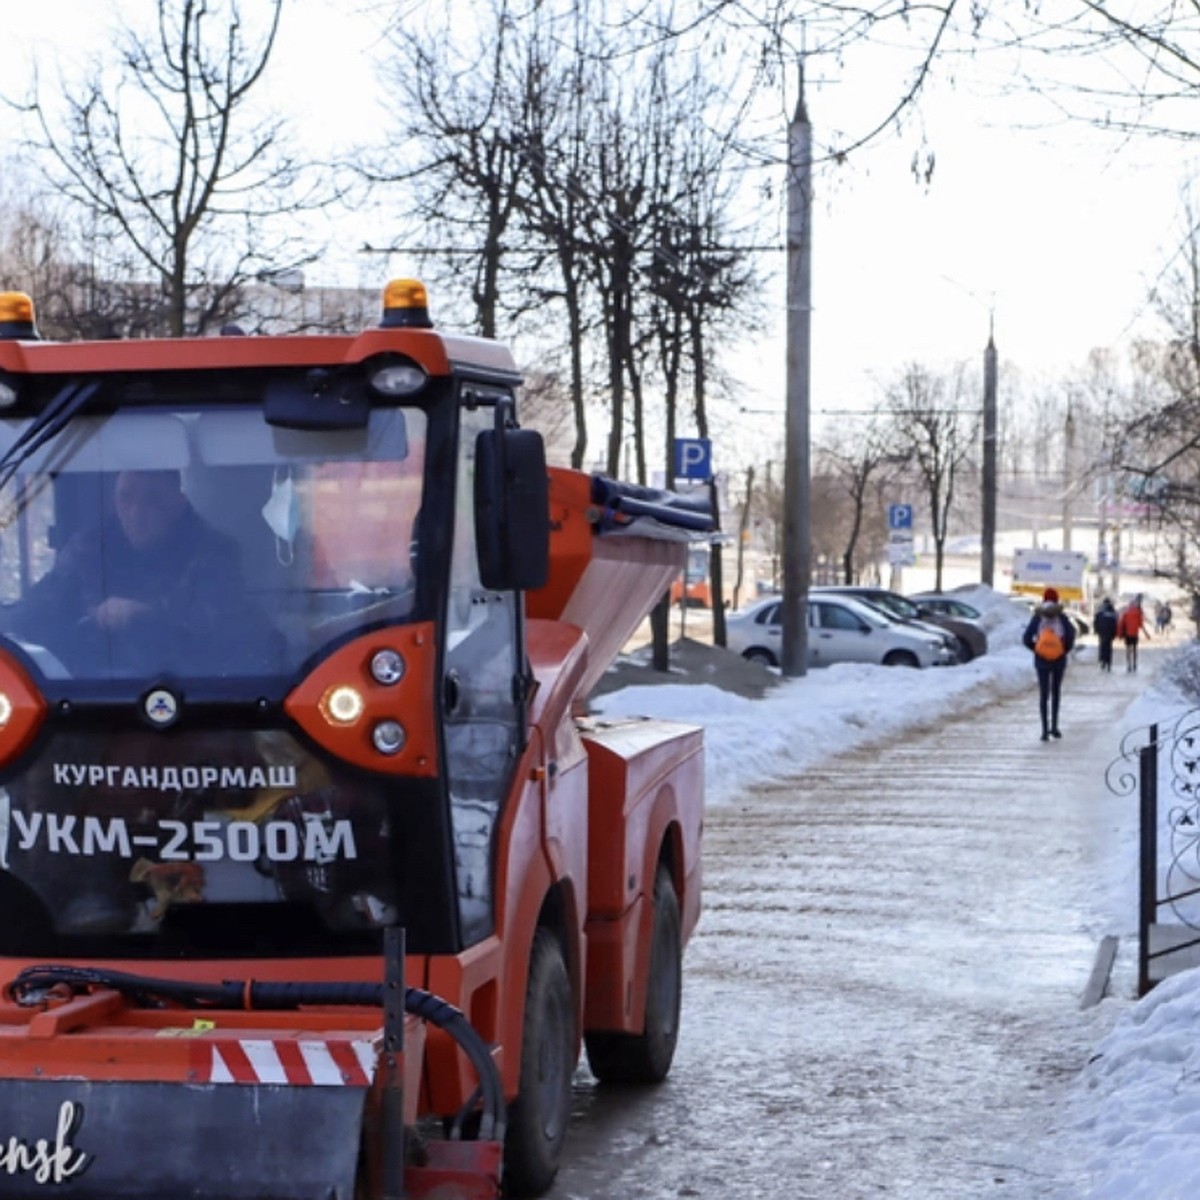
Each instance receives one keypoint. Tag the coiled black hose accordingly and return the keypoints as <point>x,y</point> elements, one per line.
<point>33,984</point>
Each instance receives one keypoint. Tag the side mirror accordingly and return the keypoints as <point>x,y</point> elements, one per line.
<point>512,508</point>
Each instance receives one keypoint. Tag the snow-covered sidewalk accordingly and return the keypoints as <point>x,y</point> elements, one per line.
<point>1134,1114</point>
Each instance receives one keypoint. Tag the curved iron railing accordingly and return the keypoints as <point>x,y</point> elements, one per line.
<point>1149,758</point>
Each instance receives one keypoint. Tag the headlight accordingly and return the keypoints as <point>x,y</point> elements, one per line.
<point>342,705</point>
<point>398,379</point>
<point>389,737</point>
<point>387,667</point>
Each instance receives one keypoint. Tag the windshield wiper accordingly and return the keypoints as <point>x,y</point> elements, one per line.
<point>49,423</point>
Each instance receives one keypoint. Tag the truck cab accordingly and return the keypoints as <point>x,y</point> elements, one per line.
<point>269,692</point>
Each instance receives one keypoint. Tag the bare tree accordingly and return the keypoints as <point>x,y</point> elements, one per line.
<point>1149,456</point>
<point>162,151</point>
<point>936,428</point>
<point>1126,68</point>
<point>855,461</point>
<point>564,183</point>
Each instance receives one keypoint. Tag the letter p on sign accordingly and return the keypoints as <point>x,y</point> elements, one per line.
<point>693,458</point>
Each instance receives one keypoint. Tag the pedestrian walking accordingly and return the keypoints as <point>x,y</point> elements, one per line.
<point>1051,637</point>
<point>1106,632</point>
<point>1131,624</point>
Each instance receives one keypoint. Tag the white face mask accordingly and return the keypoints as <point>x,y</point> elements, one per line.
<point>282,511</point>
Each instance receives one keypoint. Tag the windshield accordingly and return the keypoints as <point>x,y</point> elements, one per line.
<point>203,543</point>
<point>871,615</point>
<point>896,605</point>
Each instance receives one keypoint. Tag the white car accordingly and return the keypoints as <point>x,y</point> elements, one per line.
<point>840,629</point>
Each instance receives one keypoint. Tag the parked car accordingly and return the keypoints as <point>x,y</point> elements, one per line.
<point>947,606</point>
<point>840,629</point>
<point>939,607</point>
<point>965,642</point>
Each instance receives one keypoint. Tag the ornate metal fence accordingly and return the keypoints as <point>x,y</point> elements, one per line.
<point>1153,760</point>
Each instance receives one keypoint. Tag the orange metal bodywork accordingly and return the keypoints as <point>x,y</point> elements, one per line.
<point>434,351</point>
<point>647,784</point>
<point>27,709</point>
<point>699,593</point>
<point>406,701</point>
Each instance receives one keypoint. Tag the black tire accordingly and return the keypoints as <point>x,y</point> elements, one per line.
<point>647,1057</point>
<point>539,1116</point>
<point>965,653</point>
<point>760,655</point>
<point>900,658</point>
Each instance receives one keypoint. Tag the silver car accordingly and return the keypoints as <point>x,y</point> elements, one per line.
<point>840,629</point>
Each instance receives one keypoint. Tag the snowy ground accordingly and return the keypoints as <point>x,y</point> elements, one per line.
<point>1134,1114</point>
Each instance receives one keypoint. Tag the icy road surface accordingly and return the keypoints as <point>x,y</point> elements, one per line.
<point>883,996</point>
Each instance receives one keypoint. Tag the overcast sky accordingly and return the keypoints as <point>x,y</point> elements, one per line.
<point>1058,233</point>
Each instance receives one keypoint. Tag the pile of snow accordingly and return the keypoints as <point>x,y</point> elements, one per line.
<point>834,709</point>
<point>1136,1106</point>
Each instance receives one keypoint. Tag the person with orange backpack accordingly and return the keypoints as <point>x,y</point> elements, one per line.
<point>1131,624</point>
<point>1051,637</point>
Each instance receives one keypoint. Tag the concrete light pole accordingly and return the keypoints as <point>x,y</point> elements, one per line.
<point>987,564</point>
<point>797,550</point>
<point>1068,475</point>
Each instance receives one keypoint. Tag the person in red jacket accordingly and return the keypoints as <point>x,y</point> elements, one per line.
<point>1131,624</point>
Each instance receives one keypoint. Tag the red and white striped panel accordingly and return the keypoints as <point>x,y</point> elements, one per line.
<point>335,1063</point>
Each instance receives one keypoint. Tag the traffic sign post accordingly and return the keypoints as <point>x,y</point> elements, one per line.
<point>901,552</point>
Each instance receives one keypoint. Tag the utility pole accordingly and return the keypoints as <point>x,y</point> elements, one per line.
<point>743,537</point>
<point>1068,480</point>
<point>988,537</point>
<point>1102,546</point>
<point>796,483</point>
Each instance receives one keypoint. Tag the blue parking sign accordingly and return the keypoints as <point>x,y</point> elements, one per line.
<point>900,516</point>
<point>693,458</point>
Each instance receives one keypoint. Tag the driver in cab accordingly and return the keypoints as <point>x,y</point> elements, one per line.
<point>152,586</point>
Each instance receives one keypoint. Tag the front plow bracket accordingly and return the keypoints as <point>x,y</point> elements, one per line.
<point>78,1140</point>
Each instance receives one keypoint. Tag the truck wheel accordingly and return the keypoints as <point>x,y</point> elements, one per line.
<point>646,1057</point>
<point>538,1117</point>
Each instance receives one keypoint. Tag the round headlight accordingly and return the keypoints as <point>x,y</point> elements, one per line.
<point>342,705</point>
<point>6,710</point>
<point>387,667</point>
<point>388,737</point>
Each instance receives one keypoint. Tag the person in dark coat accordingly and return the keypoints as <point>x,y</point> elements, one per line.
<point>1051,637</point>
<point>152,585</point>
<point>1106,631</point>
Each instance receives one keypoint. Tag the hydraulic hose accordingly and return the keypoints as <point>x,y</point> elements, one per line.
<point>34,984</point>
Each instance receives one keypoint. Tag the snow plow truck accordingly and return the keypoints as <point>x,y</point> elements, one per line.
<point>315,875</point>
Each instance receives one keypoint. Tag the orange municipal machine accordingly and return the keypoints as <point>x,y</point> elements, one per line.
<point>313,878</point>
